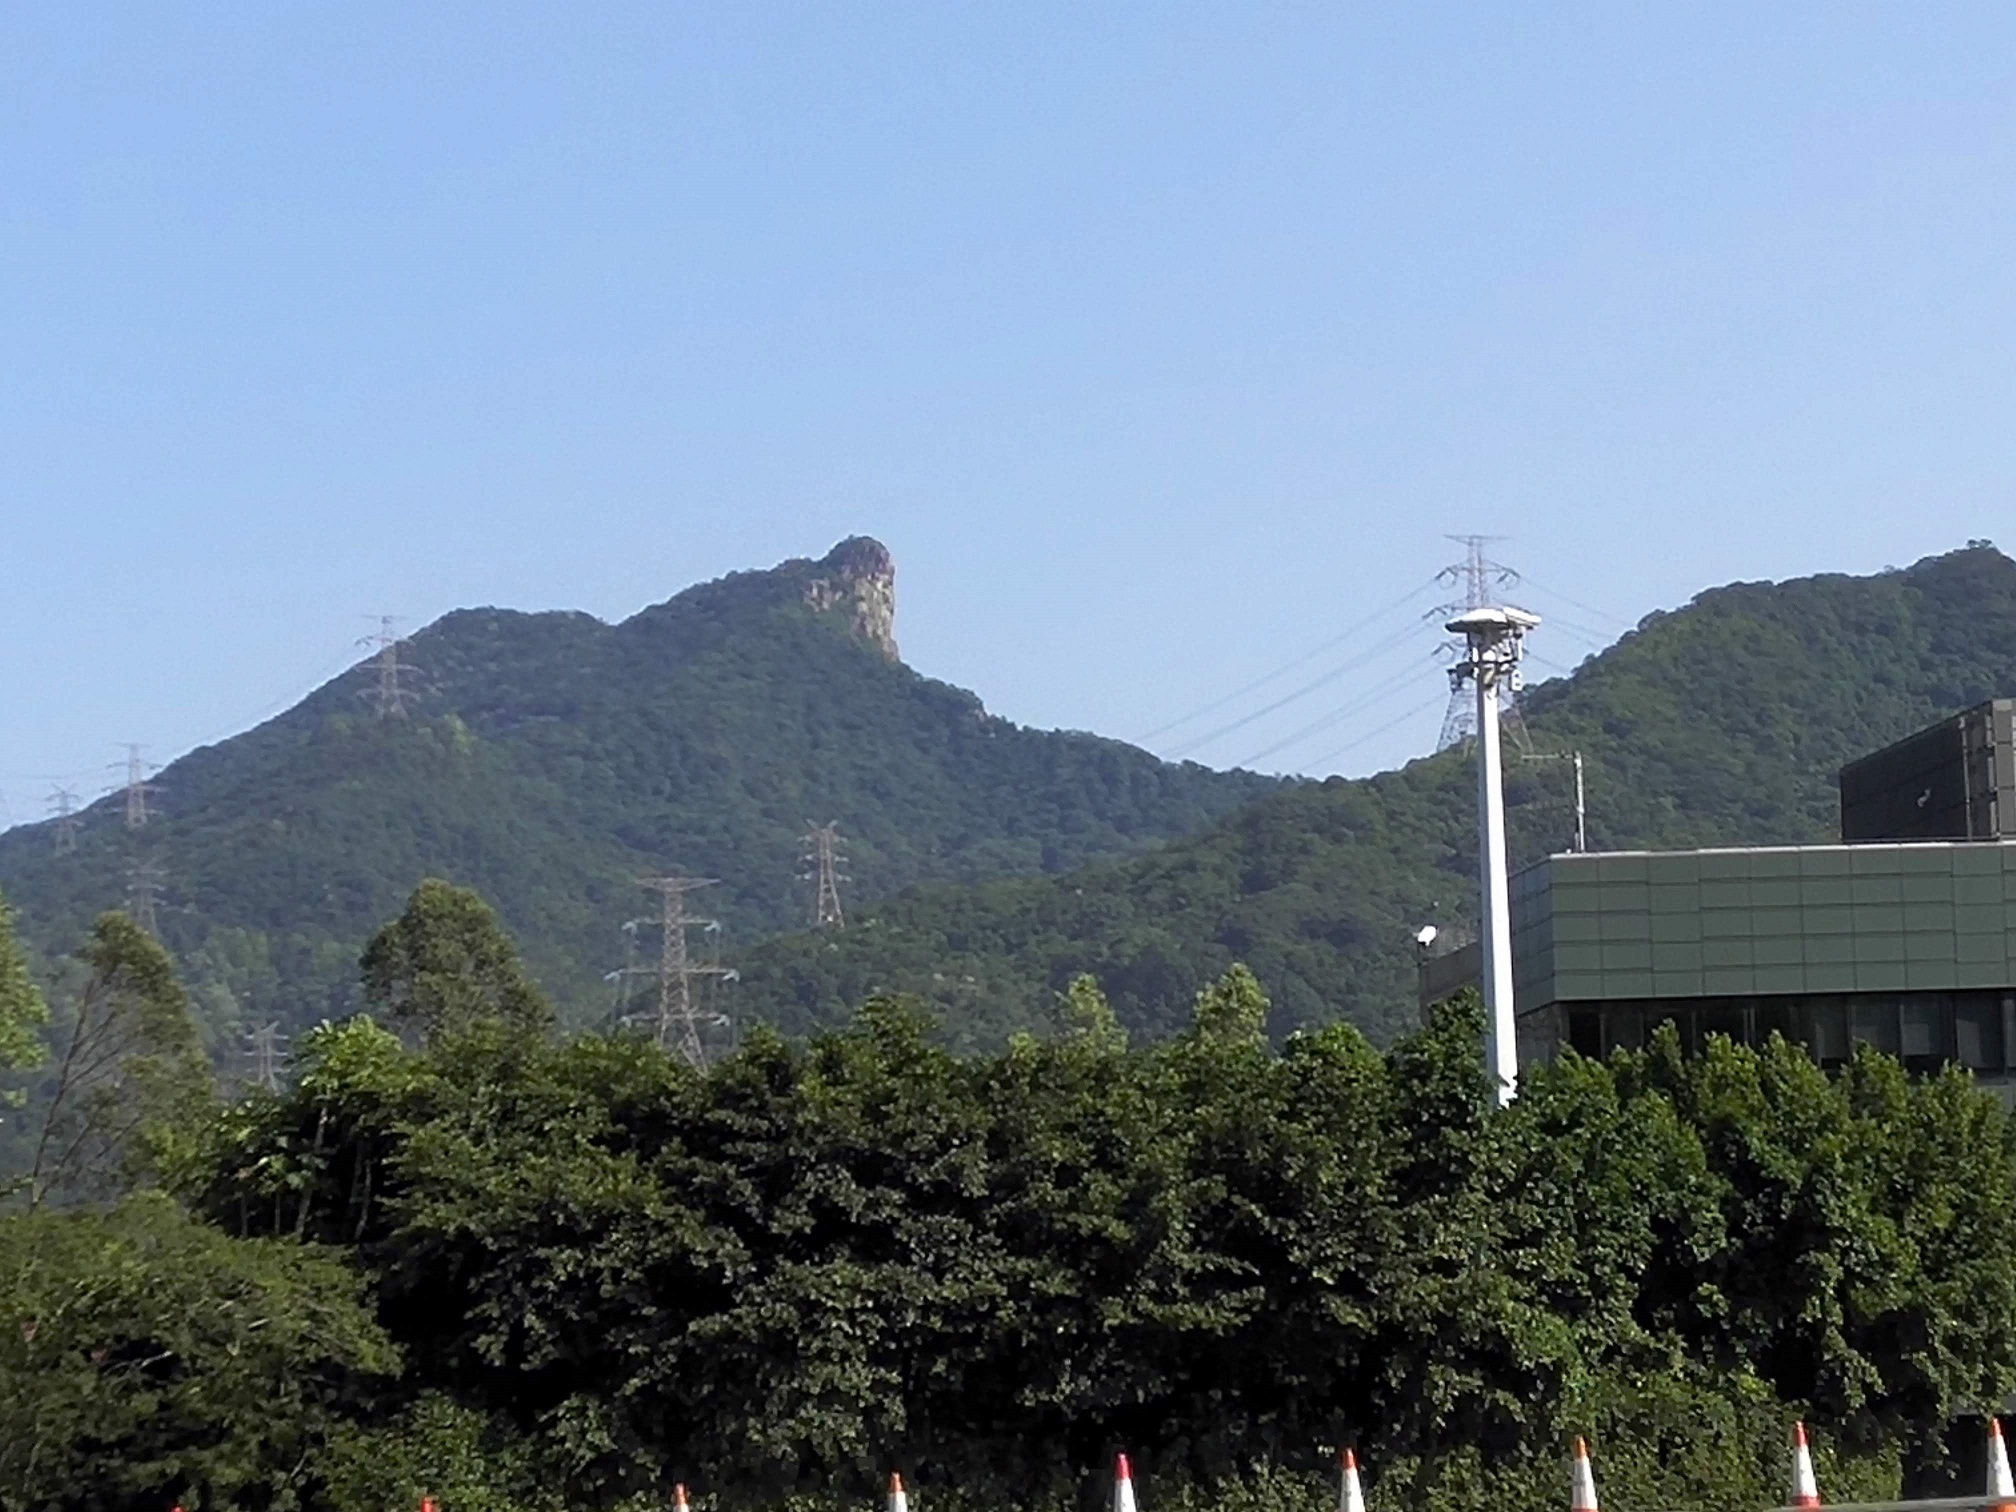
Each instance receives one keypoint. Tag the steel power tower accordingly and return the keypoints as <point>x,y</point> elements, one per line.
<point>136,787</point>
<point>680,1015</point>
<point>265,1056</point>
<point>392,695</point>
<point>822,861</point>
<point>1480,578</point>
<point>144,881</point>
<point>63,806</point>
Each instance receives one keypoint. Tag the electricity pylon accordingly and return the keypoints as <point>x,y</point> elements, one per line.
<point>823,860</point>
<point>1481,578</point>
<point>680,1016</point>
<point>63,805</point>
<point>391,696</point>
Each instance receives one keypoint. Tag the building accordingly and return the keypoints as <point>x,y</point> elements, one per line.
<point>1904,946</point>
<point>1888,938</point>
<point>1953,781</point>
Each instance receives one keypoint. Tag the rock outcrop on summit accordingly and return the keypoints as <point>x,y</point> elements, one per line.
<point>859,581</point>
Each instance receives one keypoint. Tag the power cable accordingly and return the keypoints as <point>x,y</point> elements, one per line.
<point>1370,655</point>
<point>1399,719</point>
<point>1601,614</point>
<point>1286,667</point>
<point>1549,663</point>
<point>1366,699</point>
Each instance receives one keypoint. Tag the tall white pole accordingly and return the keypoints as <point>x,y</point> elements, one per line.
<point>1581,809</point>
<point>1503,1058</point>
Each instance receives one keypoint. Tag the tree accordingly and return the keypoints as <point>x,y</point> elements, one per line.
<point>446,964</point>
<point>146,1358</point>
<point>131,1079</point>
<point>22,1010</point>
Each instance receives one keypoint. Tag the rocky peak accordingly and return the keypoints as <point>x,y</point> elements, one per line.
<point>857,579</point>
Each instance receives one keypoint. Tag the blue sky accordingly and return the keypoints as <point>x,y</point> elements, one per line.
<point>1161,343</point>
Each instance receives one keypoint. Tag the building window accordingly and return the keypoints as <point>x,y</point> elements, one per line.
<point>1830,1031</point>
<point>1724,1017</point>
<point>1875,1021</point>
<point>1779,1016</point>
<point>1585,1032</point>
<point>1924,1037</point>
<point>1626,1026</point>
<point>1977,1032</point>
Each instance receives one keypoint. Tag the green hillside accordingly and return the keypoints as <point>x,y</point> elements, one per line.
<point>1723,722</point>
<point>551,759</point>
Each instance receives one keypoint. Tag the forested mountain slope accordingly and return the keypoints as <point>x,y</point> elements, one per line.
<point>551,759</point>
<point>1720,723</point>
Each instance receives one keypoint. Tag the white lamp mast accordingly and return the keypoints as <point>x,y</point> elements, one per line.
<point>1492,639</point>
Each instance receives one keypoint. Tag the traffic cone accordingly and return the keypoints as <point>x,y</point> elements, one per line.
<point>898,1502</point>
<point>2001,1489</point>
<point>679,1498</point>
<point>1582,1481</point>
<point>1350,1495</point>
<point>1123,1485</point>
<point>1805,1492</point>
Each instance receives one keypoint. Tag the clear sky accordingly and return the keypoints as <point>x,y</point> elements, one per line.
<point>1161,343</point>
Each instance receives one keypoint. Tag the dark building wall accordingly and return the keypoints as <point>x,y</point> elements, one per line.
<point>1953,781</point>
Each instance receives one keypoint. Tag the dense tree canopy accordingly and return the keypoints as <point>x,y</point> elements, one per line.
<point>445,964</point>
<point>817,1262</point>
<point>147,1358</point>
<point>518,1271</point>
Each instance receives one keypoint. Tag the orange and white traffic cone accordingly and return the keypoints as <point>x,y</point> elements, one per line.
<point>1805,1491</point>
<point>898,1501</point>
<point>1123,1485</point>
<point>2001,1489</point>
<point>1581,1481</point>
<point>679,1498</point>
<point>1350,1495</point>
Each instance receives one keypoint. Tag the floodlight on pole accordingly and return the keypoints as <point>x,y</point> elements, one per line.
<point>1492,639</point>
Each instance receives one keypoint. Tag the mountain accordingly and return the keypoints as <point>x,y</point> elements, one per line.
<point>1720,723</point>
<point>551,759</point>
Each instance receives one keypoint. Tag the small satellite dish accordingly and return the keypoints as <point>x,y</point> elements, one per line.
<point>1425,936</point>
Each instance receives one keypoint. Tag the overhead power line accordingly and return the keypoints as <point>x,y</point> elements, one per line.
<point>1397,720</point>
<point>1601,614</point>
<point>1356,628</point>
<point>1371,654</point>
<point>1367,698</point>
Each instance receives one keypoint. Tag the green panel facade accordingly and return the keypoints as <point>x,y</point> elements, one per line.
<point>1755,923</point>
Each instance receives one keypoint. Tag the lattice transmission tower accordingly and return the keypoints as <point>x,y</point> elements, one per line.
<point>822,861</point>
<point>684,1022</point>
<point>394,693</point>
<point>63,808</point>
<point>1480,579</point>
<point>145,881</point>
<point>137,789</point>
<point>265,1056</point>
